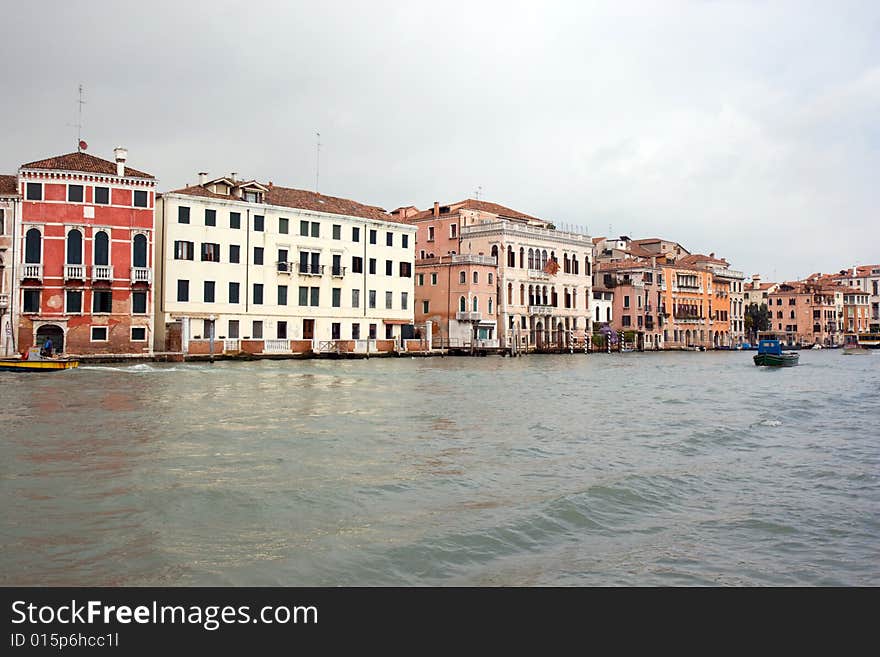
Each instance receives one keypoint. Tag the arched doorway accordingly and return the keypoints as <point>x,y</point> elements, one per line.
<point>561,335</point>
<point>53,331</point>
<point>539,335</point>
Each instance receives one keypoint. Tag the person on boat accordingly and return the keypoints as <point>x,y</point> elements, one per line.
<point>47,348</point>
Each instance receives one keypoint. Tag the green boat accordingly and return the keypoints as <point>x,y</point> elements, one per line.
<point>770,354</point>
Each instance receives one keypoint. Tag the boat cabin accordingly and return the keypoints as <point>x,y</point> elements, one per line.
<point>769,347</point>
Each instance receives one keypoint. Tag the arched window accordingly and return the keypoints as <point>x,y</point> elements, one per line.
<point>531,295</point>
<point>531,259</point>
<point>102,248</point>
<point>608,314</point>
<point>74,247</point>
<point>476,304</point>
<point>495,252</point>
<point>510,294</point>
<point>543,259</point>
<point>462,304</point>
<point>587,266</point>
<point>462,277</point>
<point>544,296</point>
<point>490,306</point>
<point>522,295</point>
<point>565,266</point>
<point>139,253</point>
<point>511,257</point>
<point>490,278</point>
<point>597,313</point>
<point>522,256</point>
<point>476,278</point>
<point>33,246</point>
<point>575,269</point>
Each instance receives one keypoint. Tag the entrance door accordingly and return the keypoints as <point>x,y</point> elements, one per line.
<point>51,331</point>
<point>539,335</point>
<point>308,329</point>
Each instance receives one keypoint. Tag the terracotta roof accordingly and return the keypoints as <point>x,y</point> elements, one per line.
<point>622,264</point>
<point>751,287</point>
<point>8,185</point>
<point>693,259</point>
<point>85,162</point>
<point>482,206</point>
<point>303,200</point>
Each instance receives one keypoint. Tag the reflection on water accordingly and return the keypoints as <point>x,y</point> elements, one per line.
<point>624,469</point>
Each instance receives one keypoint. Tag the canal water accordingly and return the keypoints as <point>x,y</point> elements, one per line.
<point>626,469</point>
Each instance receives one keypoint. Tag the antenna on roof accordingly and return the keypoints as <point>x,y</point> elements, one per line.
<point>80,144</point>
<point>317,160</point>
<point>479,192</point>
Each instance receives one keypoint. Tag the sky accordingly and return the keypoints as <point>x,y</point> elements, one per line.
<point>746,129</point>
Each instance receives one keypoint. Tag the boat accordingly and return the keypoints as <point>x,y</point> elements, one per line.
<point>870,340</point>
<point>851,346</point>
<point>36,362</point>
<point>816,346</point>
<point>770,354</point>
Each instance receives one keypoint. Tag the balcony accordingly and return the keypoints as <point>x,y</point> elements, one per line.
<point>74,272</point>
<point>688,319</point>
<point>541,310</point>
<point>306,269</point>
<point>4,301</point>
<point>538,275</point>
<point>284,267</point>
<point>276,347</point>
<point>32,272</point>
<point>141,275</point>
<point>468,316</point>
<point>102,272</point>
<point>337,272</point>
<point>468,259</point>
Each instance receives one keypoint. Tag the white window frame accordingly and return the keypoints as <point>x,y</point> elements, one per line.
<point>92,333</point>
<point>131,334</point>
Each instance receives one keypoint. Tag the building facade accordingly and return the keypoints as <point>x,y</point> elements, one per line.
<point>84,260</point>
<point>9,208</point>
<point>807,313</point>
<point>299,271</point>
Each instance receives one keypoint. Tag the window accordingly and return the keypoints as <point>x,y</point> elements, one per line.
<point>626,320</point>
<point>372,265</point>
<point>310,262</point>
<point>259,223</point>
<point>404,239</point>
<point>102,301</point>
<point>462,277</point>
<point>389,300</point>
<point>490,279</point>
<point>355,298</point>
<point>453,231</point>
<point>232,332</point>
<point>140,198</point>
<point>371,301</point>
<point>626,302</point>
<point>303,296</point>
<point>404,301</point>
<point>210,252</point>
<point>372,237</point>
<point>102,196</point>
<point>210,217</point>
<point>335,330</point>
<point>138,303</point>
<point>283,226</point>
<point>430,233</point>
<point>337,269</point>
<point>182,215</point>
<point>337,297</point>
<point>139,251</point>
<point>356,237</point>
<point>74,247</point>
<point>258,329</point>
<point>389,331</point>
<point>462,304</point>
<point>304,228</point>
<point>372,334</point>
<point>316,229</point>
<point>235,219</point>
<point>420,278</point>
<point>138,333</point>
<point>74,193</point>
<point>102,248</point>
<point>355,331</point>
<point>99,334</point>
<point>389,268</point>
<point>425,307</point>
<point>208,291</point>
<point>476,304</point>
<point>233,292</point>
<point>258,255</point>
<point>389,239</point>
<point>182,290</point>
<point>337,232</point>
<point>34,192</point>
<point>258,294</point>
<point>281,331</point>
<point>434,279</point>
<point>476,278</point>
<point>406,270</point>
<point>234,253</point>
<point>490,306</point>
<point>314,296</point>
<point>282,295</point>
<point>73,301</point>
<point>31,301</point>
<point>282,263</point>
<point>357,265</point>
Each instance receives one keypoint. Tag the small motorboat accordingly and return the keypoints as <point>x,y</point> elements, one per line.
<point>852,347</point>
<point>36,362</point>
<point>770,354</point>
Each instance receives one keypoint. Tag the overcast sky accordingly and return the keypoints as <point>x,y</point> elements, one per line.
<point>748,129</point>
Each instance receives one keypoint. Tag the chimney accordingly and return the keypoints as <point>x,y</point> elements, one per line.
<point>233,175</point>
<point>436,208</point>
<point>121,156</point>
<point>203,177</point>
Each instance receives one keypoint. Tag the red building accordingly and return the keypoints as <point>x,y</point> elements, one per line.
<point>85,269</point>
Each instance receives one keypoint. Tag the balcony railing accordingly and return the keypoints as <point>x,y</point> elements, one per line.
<point>307,269</point>
<point>464,316</point>
<point>276,346</point>
<point>102,272</point>
<point>541,310</point>
<point>284,267</point>
<point>337,272</point>
<point>539,275</point>
<point>141,275</point>
<point>468,259</point>
<point>4,301</point>
<point>231,345</point>
<point>32,271</point>
<point>74,272</point>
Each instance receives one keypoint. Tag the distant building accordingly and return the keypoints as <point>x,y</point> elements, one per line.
<point>10,202</point>
<point>807,313</point>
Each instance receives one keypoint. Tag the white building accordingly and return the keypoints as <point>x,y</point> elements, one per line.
<point>9,204</point>
<point>240,260</point>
